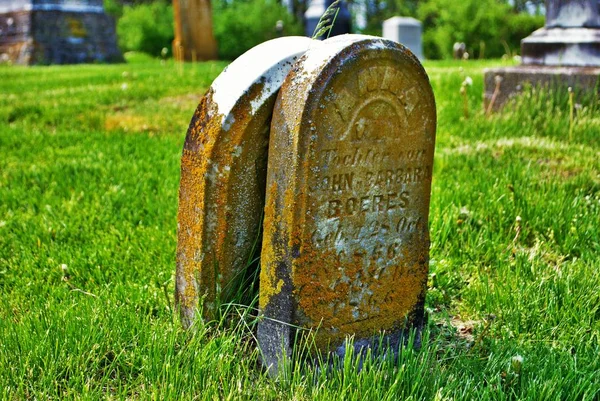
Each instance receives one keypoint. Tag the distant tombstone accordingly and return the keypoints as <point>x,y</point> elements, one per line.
<point>346,242</point>
<point>194,39</point>
<point>57,32</point>
<point>406,31</point>
<point>458,50</point>
<point>315,11</point>
<point>565,53</point>
<point>223,172</point>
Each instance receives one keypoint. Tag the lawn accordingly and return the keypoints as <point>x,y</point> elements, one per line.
<point>89,173</point>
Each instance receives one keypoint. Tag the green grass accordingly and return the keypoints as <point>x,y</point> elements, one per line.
<point>89,170</point>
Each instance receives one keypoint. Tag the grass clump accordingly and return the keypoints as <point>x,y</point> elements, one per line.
<point>89,169</point>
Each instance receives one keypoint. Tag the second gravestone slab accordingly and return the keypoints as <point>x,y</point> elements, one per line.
<point>346,241</point>
<point>223,170</point>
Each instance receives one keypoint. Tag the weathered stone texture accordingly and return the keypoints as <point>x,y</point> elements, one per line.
<point>223,173</point>
<point>346,241</point>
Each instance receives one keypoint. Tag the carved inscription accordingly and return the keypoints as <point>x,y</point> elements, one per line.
<point>373,175</point>
<point>346,244</point>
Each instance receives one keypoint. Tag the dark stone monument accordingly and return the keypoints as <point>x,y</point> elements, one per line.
<point>57,32</point>
<point>346,242</point>
<point>317,8</point>
<point>565,53</point>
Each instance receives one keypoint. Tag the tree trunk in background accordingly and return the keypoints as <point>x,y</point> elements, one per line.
<point>194,39</point>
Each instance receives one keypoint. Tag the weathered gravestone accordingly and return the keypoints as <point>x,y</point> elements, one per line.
<point>223,172</point>
<point>565,53</point>
<point>346,241</point>
<point>407,31</point>
<point>57,32</point>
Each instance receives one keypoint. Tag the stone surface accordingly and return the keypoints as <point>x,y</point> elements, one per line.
<point>317,8</point>
<point>346,242</point>
<point>572,14</point>
<point>406,31</point>
<point>583,80</point>
<point>57,32</point>
<point>194,39</point>
<point>223,172</point>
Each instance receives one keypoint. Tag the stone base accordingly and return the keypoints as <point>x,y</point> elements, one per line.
<point>562,47</point>
<point>581,79</point>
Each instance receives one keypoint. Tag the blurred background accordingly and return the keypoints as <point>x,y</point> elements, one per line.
<point>488,28</point>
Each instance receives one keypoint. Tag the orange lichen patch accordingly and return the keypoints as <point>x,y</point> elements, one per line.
<point>223,169</point>
<point>190,217</point>
<point>270,284</point>
<point>331,291</point>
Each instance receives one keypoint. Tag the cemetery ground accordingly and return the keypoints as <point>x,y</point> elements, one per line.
<point>89,174</point>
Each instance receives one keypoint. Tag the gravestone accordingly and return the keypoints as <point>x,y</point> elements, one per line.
<point>317,8</point>
<point>565,53</point>
<point>57,32</point>
<point>223,172</point>
<point>406,31</point>
<point>346,241</point>
<point>458,50</point>
<point>194,39</point>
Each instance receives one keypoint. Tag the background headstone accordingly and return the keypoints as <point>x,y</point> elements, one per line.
<point>57,32</point>
<point>223,173</point>
<point>346,241</point>
<point>317,8</point>
<point>571,36</point>
<point>194,39</point>
<point>458,50</point>
<point>406,31</point>
<point>565,53</point>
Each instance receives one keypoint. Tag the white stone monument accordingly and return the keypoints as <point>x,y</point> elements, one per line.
<point>406,31</point>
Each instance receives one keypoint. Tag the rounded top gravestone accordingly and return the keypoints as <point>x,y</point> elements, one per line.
<point>223,172</point>
<point>346,242</point>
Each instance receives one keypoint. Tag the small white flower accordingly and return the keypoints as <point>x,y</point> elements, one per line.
<point>124,86</point>
<point>468,81</point>
<point>517,363</point>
